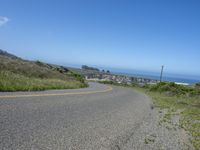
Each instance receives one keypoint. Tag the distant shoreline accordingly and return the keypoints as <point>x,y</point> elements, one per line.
<point>177,80</point>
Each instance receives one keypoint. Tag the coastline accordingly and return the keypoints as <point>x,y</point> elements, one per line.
<point>177,80</point>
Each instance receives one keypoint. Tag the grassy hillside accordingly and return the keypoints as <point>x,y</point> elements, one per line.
<point>17,74</point>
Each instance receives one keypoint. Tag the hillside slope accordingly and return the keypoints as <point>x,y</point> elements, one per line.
<point>17,74</point>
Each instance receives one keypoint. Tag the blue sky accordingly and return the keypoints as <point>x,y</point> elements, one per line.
<point>124,34</point>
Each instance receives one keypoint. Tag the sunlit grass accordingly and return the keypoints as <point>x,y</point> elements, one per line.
<point>15,82</point>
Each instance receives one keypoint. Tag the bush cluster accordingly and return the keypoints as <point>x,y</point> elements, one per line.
<point>175,89</point>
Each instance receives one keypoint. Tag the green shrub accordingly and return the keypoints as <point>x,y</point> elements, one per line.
<point>78,77</point>
<point>174,89</point>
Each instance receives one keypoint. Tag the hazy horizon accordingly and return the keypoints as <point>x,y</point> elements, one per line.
<point>130,35</point>
<point>125,71</point>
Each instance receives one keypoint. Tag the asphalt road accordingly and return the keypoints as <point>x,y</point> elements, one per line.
<point>98,117</point>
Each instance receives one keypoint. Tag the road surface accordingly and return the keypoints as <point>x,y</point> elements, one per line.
<point>98,117</point>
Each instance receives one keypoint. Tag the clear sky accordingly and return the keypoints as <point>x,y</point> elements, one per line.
<point>126,34</point>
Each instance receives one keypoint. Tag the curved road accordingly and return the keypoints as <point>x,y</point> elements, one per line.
<point>98,117</point>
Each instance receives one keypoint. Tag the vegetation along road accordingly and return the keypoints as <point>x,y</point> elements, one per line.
<point>97,117</point>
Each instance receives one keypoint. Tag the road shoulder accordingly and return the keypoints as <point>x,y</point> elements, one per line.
<point>155,134</point>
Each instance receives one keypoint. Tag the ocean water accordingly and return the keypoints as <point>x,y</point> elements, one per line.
<point>181,80</point>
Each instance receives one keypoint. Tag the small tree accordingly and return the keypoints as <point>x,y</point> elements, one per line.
<point>107,71</point>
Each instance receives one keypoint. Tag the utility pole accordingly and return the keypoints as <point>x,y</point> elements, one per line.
<point>161,73</point>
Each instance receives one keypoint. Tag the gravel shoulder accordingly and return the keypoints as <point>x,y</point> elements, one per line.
<point>154,134</point>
